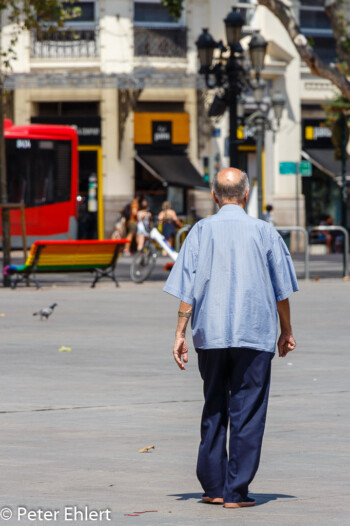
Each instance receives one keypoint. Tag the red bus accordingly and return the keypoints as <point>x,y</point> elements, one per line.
<point>42,172</point>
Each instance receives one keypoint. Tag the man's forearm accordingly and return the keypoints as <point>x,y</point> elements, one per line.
<point>182,320</point>
<point>286,341</point>
<point>283,310</point>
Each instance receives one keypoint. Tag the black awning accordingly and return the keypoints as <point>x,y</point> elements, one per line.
<point>173,169</point>
<point>324,161</point>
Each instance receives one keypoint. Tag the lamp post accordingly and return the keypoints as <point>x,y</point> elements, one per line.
<point>259,122</point>
<point>227,72</point>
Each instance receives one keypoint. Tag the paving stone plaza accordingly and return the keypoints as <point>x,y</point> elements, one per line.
<point>74,420</point>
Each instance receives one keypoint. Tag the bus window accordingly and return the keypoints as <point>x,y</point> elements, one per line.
<point>38,172</point>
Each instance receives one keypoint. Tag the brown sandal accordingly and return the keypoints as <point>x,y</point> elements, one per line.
<point>243,504</point>
<point>212,500</point>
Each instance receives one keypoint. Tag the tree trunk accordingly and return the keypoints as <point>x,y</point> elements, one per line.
<point>5,213</point>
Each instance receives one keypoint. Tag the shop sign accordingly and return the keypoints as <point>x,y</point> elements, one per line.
<point>245,133</point>
<point>288,168</point>
<point>305,168</point>
<point>161,133</point>
<point>160,129</point>
<point>316,135</point>
<point>87,128</point>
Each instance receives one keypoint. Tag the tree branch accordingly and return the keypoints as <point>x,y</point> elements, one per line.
<point>317,66</point>
<point>335,12</point>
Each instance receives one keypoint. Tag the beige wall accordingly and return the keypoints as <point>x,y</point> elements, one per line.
<point>283,69</point>
<point>116,36</point>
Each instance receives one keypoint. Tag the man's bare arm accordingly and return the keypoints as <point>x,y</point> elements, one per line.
<point>180,348</point>
<point>286,340</point>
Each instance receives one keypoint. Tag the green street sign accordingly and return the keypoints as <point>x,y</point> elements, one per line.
<point>288,168</point>
<point>305,168</point>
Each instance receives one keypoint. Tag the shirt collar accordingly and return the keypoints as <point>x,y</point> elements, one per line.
<point>232,208</point>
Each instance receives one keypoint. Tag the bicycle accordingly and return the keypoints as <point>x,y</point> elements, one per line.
<point>144,260</point>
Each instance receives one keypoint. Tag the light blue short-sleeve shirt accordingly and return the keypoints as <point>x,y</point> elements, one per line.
<point>233,269</point>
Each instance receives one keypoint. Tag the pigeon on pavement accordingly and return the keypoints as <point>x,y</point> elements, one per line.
<point>46,312</point>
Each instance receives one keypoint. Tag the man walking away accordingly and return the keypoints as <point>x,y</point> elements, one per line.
<point>233,275</point>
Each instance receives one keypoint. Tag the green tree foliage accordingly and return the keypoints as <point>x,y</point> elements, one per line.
<point>340,105</point>
<point>174,6</point>
<point>337,115</point>
<point>31,14</point>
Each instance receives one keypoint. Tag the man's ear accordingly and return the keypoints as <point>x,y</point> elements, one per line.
<point>215,198</point>
<point>246,196</point>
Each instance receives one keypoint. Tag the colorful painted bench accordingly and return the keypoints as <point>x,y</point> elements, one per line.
<point>99,257</point>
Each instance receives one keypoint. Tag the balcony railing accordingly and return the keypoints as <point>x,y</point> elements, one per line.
<point>160,42</point>
<point>64,44</point>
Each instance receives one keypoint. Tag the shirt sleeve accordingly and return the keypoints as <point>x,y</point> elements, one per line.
<point>180,282</point>
<point>281,268</point>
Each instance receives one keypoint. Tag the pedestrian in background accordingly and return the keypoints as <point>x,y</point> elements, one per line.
<point>130,214</point>
<point>233,275</point>
<point>169,221</point>
<point>268,217</point>
<point>326,235</point>
<point>143,224</point>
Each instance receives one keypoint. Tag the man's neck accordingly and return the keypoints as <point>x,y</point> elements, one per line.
<point>238,203</point>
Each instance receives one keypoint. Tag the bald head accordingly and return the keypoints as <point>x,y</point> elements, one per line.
<point>231,186</point>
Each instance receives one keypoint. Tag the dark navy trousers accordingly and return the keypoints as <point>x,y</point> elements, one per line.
<point>236,390</point>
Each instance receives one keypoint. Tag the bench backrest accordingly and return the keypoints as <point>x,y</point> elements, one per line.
<point>73,255</point>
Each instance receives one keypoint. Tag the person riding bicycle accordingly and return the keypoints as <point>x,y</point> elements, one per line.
<point>148,239</point>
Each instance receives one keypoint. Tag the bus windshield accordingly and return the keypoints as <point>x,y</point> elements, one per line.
<point>38,171</point>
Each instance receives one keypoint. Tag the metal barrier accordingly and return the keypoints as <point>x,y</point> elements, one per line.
<point>185,228</point>
<point>345,245</point>
<point>305,232</point>
<point>306,235</point>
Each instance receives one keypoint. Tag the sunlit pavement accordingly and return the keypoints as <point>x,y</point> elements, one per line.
<point>72,422</point>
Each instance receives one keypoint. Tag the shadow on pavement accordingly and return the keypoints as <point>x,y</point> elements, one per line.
<point>187,496</point>
<point>261,498</point>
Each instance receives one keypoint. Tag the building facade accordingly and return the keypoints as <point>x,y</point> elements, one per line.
<point>125,74</point>
<point>323,189</point>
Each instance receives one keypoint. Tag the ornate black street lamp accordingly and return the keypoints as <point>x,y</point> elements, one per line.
<point>233,24</point>
<point>225,70</point>
<point>257,52</point>
<point>206,45</point>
